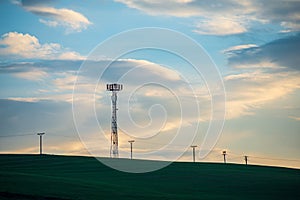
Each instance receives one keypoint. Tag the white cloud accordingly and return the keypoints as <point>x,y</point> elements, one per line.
<point>239,47</point>
<point>154,68</point>
<point>220,26</point>
<point>70,55</point>
<point>53,17</point>
<point>19,45</point>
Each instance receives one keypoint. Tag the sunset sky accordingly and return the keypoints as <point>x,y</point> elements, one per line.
<point>255,46</point>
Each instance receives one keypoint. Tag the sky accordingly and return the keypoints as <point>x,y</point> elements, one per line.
<point>56,57</point>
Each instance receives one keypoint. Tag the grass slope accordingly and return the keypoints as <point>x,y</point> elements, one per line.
<point>63,177</point>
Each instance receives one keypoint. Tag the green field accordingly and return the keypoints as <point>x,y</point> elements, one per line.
<point>69,177</point>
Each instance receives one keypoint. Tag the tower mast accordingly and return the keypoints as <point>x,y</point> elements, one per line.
<point>114,88</point>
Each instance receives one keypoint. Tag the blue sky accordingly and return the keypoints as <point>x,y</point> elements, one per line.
<point>254,44</point>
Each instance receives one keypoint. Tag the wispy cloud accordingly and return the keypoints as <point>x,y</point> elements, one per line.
<point>212,17</point>
<point>238,47</point>
<point>220,26</point>
<point>281,53</point>
<point>71,20</point>
<point>35,74</point>
<point>224,17</point>
<point>261,74</point>
<point>283,12</point>
<point>188,8</point>
<point>294,118</point>
<point>249,91</point>
<point>19,45</point>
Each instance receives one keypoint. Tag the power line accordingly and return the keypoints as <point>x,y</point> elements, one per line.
<point>64,136</point>
<point>237,155</point>
<point>177,145</point>
<point>280,159</point>
<point>17,135</point>
<point>70,136</point>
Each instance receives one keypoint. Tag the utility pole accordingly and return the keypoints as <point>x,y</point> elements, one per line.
<point>246,160</point>
<point>194,146</point>
<point>224,155</point>
<point>131,141</point>
<point>41,142</point>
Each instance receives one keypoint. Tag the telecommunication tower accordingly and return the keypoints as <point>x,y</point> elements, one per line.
<point>114,88</point>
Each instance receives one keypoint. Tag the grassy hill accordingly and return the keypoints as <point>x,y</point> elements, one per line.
<point>64,177</point>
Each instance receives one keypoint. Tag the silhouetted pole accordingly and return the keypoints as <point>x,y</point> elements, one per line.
<point>246,160</point>
<point>224,155</point>
<point>41,142</point>
<point>131,141</point>
<point>194,146</point>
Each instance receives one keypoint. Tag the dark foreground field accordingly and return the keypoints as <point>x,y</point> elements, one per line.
<point>62,177</point>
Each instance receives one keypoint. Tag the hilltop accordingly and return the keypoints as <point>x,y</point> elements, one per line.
<point>72,177</point>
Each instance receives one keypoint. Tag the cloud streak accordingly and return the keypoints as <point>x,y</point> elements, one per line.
<point>220,26</point>
<point>223,17</point>
<point>294,118</point>
<point>71,20</point>
<point>279,53</point>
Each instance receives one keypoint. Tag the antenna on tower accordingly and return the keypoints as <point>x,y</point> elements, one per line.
<point>194,146</point>
<point>224,155</point>
<point>114,88</point>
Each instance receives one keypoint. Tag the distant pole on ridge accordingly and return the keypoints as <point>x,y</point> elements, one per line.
<point>41,142</point>
<point>131,141</point>
<point>194,146</point>
<point>224,155</point>
<point>246,160</point>
<point>114,88</point>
